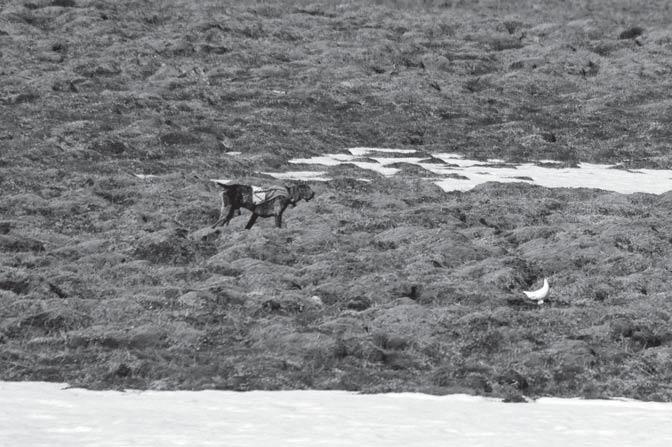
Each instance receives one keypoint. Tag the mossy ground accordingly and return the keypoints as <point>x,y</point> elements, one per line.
<point>110,280</point>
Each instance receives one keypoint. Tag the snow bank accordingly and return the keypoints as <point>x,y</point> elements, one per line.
<point>471,173</point>
<point>41,414</point>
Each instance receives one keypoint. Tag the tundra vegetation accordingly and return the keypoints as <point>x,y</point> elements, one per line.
<point>113,280</point>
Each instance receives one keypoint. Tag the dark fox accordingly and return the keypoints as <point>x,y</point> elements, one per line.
<point>264,202</point>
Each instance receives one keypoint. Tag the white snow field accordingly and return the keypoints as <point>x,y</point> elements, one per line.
<point>46,414</point>
<point>455,173</point>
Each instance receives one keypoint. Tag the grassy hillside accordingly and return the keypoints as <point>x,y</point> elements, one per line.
<point>111,280</point>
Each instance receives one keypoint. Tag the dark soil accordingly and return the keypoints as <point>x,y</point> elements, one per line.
<point>108,280</point>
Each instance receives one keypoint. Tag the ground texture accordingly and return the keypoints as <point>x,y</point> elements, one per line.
<point>110,280</point>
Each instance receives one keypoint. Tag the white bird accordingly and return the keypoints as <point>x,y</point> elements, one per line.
<point>539,295</point>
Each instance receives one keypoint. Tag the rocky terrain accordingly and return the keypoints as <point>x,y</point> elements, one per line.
<point>115,115</point>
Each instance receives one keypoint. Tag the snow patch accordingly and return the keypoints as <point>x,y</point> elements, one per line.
<point>314,176</point>
<point>359,151</point>
<point>461,174</point>
<point>70,416</point>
